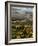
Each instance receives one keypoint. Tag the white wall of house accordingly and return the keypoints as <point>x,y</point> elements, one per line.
<point>37,22</point>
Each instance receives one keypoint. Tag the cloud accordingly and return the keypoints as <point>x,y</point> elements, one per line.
<point>22,9</point>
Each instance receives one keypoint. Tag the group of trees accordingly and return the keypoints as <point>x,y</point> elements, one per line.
<point>21,32</point>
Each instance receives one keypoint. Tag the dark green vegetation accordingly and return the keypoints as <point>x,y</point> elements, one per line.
<point>21,29</point>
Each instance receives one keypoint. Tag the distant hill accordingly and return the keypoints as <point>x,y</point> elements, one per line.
<point>22,17</point>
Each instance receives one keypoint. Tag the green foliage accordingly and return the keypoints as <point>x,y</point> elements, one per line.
<point>21,29</point>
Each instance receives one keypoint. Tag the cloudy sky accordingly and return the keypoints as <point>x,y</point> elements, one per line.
<point>22,9</point>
